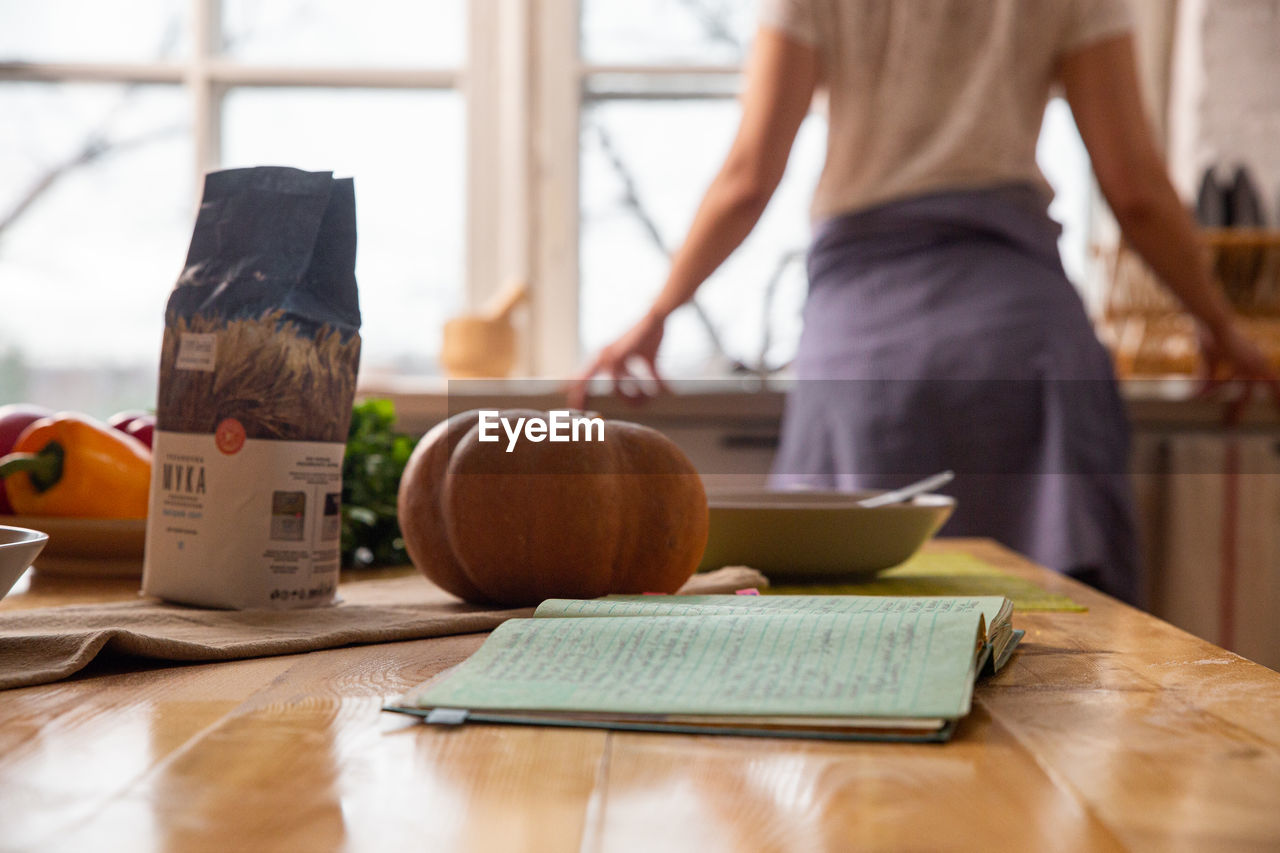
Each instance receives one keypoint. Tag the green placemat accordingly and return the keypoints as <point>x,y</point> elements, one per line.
<point>944,574</point>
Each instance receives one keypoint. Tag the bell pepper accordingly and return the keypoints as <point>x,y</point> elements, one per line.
<point>73,465</point>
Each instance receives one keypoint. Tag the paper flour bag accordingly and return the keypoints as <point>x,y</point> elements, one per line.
<point>257,376</point>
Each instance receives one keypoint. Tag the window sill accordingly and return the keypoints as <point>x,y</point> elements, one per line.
<point>421,403</point>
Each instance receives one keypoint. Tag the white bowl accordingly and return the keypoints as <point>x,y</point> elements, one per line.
<point>808,535</point>
<point>88,547</point>
<point>18,548</point>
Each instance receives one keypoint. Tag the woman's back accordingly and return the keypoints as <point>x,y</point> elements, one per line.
<point>931,95</point>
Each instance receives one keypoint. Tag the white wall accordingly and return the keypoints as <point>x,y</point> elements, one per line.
<point>1225,93</point>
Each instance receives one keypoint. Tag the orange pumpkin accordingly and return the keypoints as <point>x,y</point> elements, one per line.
<point>577,519</point>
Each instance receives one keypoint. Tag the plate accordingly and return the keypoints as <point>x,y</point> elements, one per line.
<point>817,535</point>
<point>18,547</point>
<point>87,547</point>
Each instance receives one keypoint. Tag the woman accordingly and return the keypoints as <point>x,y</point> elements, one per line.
<point>940,330</point>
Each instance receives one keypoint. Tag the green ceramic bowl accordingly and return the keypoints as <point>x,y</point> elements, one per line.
<point>817,535</point>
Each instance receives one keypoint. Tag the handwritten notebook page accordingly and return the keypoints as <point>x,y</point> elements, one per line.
<point>877,662</point>
<point>994,608</point>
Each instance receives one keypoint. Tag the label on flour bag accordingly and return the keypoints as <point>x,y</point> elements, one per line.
<point>270,505</point>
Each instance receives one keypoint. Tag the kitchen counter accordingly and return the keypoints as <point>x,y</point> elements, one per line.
<point>1208,533</point>
<point>1108,730</point>
<point>1154,405</point>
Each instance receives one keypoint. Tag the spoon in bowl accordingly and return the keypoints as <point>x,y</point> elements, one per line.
<point>906,493</point>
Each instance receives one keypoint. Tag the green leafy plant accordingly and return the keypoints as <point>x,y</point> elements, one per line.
<point>375,459</point>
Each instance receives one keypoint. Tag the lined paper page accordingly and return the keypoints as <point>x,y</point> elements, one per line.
<point>695,605</point>
<point>883,662</point>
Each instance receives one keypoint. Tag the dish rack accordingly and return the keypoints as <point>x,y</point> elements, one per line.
<point>1147,330</point>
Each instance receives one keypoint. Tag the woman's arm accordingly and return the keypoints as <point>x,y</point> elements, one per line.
<point>1101,85</point>
<point>780,79</point>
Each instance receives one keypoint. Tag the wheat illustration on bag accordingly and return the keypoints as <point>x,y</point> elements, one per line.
<point>277,381</point>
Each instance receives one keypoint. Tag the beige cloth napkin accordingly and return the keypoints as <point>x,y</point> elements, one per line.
<point>43,645</point>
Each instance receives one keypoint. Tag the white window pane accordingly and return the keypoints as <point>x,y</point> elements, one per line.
<point>405,151</point>
<point>338,32</point>
<point>649,32</point>
<point>1062,158</point>
<point>92,30</point>
<point>667,152</point>
<point>95,214</point>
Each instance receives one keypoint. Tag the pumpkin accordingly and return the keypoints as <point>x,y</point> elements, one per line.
<point>577,519</point>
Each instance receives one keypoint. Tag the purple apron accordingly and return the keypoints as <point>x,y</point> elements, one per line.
<point>941,332</point>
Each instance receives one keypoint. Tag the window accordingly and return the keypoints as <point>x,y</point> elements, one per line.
<point>658,114</point>
<point>563,141</point>
<point>1065,163</point>
<point>111,122</point>
<point>653,110</point>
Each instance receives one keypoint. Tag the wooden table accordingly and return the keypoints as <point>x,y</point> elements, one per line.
<point>1109,730</point>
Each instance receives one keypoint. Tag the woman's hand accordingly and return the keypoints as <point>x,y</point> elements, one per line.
<point>781,76</point>
<point>1228,357</point>
<point>1101,83</point>
<point>639,343</point>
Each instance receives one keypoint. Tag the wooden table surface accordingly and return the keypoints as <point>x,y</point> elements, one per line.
<point>1109,730</point>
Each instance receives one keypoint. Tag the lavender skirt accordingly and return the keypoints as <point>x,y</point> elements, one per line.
<point>941,332</point>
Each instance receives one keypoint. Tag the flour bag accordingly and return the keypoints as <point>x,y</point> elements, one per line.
<point>257,376</point>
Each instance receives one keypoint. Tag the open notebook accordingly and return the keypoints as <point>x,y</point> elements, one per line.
<point>834,667</point>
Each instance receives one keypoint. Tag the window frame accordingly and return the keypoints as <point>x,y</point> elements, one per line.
<point>561,84</point>
<point>206,76</point>
<point>524,83</point>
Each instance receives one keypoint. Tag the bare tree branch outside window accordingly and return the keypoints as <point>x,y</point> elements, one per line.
<point>98,142</point>
<point>714,20</point>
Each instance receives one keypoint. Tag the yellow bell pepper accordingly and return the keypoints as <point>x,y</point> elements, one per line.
<point>73,465</point>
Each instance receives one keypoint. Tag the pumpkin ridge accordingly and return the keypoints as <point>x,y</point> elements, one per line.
<point>420,514</point>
